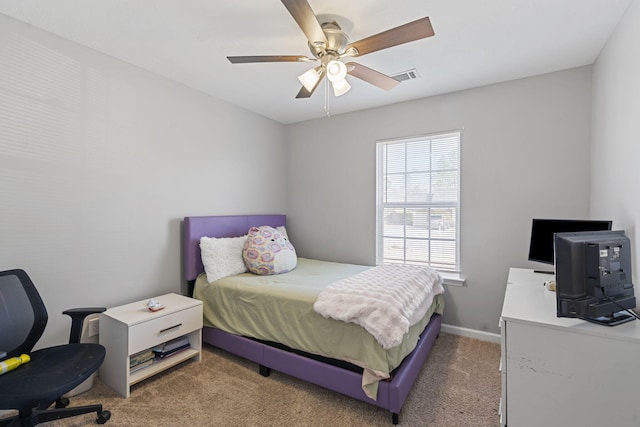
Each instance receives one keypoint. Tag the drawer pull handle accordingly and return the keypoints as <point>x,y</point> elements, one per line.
<point>170,328</point>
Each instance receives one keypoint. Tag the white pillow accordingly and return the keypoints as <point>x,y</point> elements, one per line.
<point>222,257</point>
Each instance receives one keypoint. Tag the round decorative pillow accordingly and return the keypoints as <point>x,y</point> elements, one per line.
<point>268,251</point>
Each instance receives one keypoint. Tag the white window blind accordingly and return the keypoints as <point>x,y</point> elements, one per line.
<point>418,201</point>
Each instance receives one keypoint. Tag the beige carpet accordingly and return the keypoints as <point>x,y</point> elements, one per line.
<point>458,386</point>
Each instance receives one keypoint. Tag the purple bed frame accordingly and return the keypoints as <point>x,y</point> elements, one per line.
<point>391,394</point>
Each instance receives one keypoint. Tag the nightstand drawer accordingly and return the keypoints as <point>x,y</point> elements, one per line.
<point>164,328</point>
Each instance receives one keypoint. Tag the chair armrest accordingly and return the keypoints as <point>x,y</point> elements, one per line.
<point>77,320</point>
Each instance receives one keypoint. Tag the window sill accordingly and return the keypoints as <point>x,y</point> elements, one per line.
<point>453,279</point>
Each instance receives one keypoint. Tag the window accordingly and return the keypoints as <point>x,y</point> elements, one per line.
<point>418,201</point>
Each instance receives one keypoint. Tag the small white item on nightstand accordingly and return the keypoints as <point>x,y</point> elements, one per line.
<point>154,305</point>
<point>550,285</point>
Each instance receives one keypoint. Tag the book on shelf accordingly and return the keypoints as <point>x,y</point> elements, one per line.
<point>141,360</point>
<point>142,365</point>
<point>141,357</point>
<point>165,354</point>
<point>170,347</point>
<point>172,352</point>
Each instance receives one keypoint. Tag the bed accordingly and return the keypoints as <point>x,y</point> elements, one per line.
<point>346,377</point>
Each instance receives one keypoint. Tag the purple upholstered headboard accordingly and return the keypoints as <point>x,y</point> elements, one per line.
<point>196,227</point>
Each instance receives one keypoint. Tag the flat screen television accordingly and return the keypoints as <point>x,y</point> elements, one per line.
<point>542,231</point>
<point>593,276</point>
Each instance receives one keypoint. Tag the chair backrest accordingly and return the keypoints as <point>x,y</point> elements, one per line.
<point>23,315</point>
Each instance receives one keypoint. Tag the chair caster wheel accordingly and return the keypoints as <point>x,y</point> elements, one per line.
<point>103,417</point>
<point>62,402</point>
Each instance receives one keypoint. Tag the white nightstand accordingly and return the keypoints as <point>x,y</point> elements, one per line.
<point>132,328</point>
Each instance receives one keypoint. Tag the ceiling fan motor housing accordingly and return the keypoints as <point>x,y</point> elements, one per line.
<point>336,38</point>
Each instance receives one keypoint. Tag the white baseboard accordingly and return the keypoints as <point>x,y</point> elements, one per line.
<point>471,333</point>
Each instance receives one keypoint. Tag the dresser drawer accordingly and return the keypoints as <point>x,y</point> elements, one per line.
<point>164,328</point>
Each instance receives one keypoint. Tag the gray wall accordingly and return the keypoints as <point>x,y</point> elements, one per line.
<point>100,161</point>
<point>525,153</point>
<point>95,217</point>
<point>615,174</point>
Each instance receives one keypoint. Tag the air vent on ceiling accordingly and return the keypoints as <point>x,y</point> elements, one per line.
<point>406,75</point>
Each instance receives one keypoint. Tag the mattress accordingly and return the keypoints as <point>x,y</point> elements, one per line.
<point>279,308</point>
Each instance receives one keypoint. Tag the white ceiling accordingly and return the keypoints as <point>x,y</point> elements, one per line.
<point>476,43</point>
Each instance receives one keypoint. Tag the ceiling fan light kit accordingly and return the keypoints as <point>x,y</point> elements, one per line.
<point>340,87</point>
<point>328,44</point>
<point>310,78</point>
<point>337,73</point>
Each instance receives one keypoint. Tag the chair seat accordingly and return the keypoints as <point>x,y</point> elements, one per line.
<point>49,375</point>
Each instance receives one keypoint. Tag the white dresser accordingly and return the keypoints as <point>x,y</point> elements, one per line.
<point>560,371</point>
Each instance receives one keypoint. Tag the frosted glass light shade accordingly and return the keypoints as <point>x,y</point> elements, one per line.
<point>336,70</point>
<point>309,78</point>
<point>340,87</point>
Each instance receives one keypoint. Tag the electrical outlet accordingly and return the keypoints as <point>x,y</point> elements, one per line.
<point>94,327</point>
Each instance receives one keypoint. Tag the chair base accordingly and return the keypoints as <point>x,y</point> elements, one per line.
<point>34,417</point>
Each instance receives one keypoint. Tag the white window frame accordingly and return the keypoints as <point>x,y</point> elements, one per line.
<point>453,271</point>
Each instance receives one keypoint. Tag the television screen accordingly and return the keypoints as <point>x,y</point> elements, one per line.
<point>542,231</point>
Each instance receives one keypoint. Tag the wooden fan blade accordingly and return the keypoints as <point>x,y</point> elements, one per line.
<point>372,76</point>
<point>304,93</point>
<point>267,58</point>
<point>307,21</point>
<point>406,33</point>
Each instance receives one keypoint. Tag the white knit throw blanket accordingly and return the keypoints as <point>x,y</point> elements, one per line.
<point>383,299</point>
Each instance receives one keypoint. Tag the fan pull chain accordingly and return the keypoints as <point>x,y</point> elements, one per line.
<point>326,97</point>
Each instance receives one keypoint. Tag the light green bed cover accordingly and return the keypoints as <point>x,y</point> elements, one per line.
<point>279,308</point>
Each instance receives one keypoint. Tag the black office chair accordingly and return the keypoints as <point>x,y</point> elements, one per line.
<point>52,372</point>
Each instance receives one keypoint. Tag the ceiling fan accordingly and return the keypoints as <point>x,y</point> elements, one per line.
<point>329,45</point>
